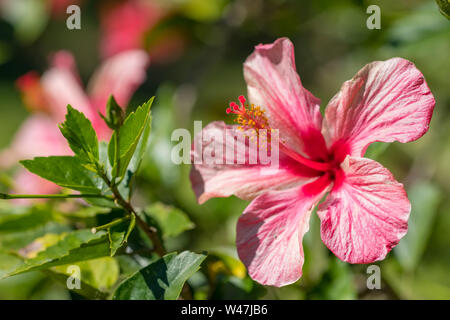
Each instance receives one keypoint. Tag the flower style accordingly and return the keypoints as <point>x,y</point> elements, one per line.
<point>49,95</point>
<point>365,213</point>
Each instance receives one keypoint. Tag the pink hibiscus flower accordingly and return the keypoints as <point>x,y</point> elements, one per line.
<point>49,96</point>
<point>126,24</point>
<point>366,211</point>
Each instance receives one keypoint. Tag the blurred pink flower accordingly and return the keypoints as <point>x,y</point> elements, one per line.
<point>59,7</point>
<point>366,211</point>
<point>125,24</point>
<point>49,95</point>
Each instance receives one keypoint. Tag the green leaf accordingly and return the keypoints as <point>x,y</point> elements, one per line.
<point>80,134</point>
<point>76,246</point>
<point>101,273</point>
<point>103,160</point>
<point>114,114</point>
<point>118,234</point>
<point>65,171</point>
<point>33,217</point>
<point>424,199</point>
<point>161,280</point>
<point>230,279</point>
<point>444,7</point>
<point>122,149</point>
<point>16,240</point>
<point>170,220</point>
<point>20,226</point>
<point>7,262</point>
<point>85,290</point>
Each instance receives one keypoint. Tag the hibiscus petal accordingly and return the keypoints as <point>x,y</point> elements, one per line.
<point>244,180</point>
<point>62,87</point>
<point>26,182</point>
<point>38,136</point>
<point>385,101</point>
<point>367,215</point>
<point>274,85</point>
<point>120,76</point>
<point>123,25</point>
<point>270,232</point>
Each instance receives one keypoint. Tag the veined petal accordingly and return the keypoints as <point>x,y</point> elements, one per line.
<point>274,85</point>
<point>367,215</point>
<point>244,180</point>
<point>385,101</point>
<point>120,76</point>
<point>271,229</point>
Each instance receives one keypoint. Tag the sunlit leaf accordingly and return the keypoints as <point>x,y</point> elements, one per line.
<point>170,220</point>
<point>118,234</point>
<point>444,7</point>
<point>65,171</point>
<point>134,127</point>
<point>161,280</point>
<point>76,246</point>
<point>80,134</point>
<point>101,273</point>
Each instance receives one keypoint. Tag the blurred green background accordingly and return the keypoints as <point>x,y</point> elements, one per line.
<point>332,43</point>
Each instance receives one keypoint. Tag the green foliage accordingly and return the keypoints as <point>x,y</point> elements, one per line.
<point>101,273</point>
<point>66,171</point>
<point>114,114</point>
<point>30,218</point>
<point>444,7</point>
<point>76,246</point>
<point>118,234</point>
<point>103,174</point>
<point>80,134</point>
<point>204,75</point>
<point>336,284</point>
<point>424,199</point>
<point>229,278</point>
<point>124,142</point>
<point>163,279</point>
<point>96,276</point>
<point>170,220</point>
<point>18,228</point>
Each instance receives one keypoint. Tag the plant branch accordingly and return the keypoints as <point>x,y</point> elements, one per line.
<point>151,232</point>
<point>111,224</point>
<point>52,196</point>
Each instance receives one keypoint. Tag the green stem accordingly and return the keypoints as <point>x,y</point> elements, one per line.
<point>151,232</point>
<point>52,196</point>
<point>111,224</point>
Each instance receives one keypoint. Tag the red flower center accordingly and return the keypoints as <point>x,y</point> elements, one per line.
<point>326,161</point>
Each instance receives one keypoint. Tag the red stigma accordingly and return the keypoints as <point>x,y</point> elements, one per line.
<point>234,107</point>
